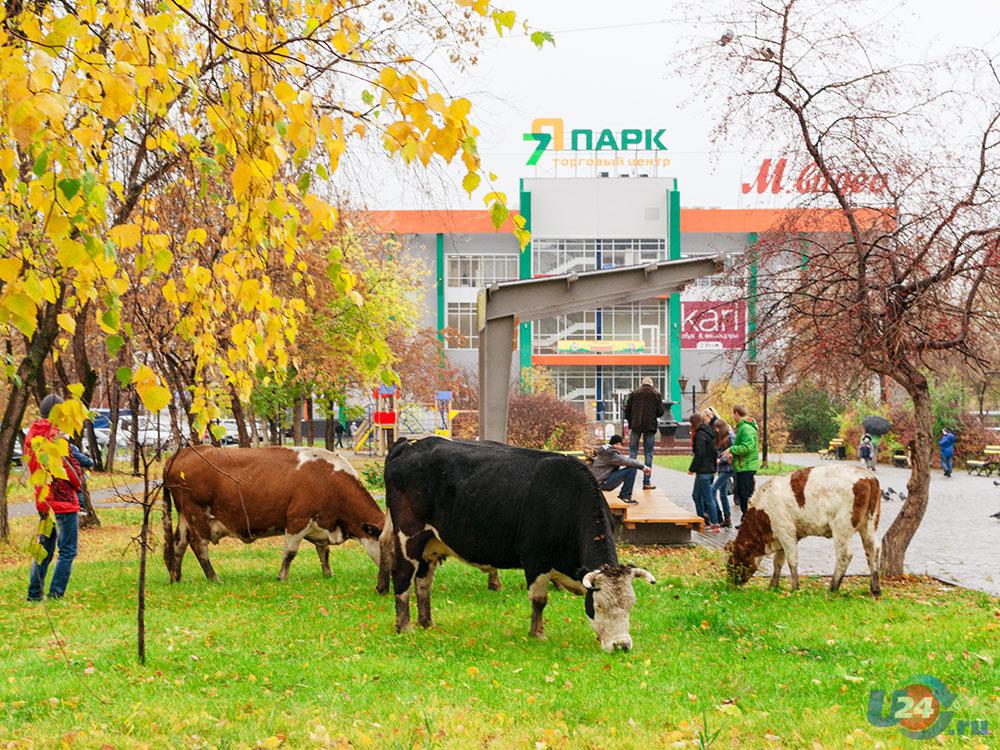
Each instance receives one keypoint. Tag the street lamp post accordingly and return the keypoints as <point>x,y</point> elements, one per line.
<point>779,371</point>
<point>703,382</point>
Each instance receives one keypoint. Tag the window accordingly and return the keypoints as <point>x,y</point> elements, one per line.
<point>553,257</point>
<point>477,271</point>
<point>576,384</point>
<point>462,330</point>
<point>645,321</point>
<point>579,326</point>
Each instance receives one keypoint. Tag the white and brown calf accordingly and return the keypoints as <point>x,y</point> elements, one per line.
<point>830,501</point>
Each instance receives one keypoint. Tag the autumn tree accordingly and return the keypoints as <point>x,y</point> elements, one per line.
<point>109,104</point>
<point>901,157</point>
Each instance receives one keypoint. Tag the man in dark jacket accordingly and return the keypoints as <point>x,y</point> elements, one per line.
<point>61,500</point>
<point>643,409</point>
<point>611,469</point>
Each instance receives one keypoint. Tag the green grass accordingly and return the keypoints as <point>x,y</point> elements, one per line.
<point>681,463</point>
<point>314,662</point>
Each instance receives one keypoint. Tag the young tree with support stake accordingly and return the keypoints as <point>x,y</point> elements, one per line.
<point>891,280</point>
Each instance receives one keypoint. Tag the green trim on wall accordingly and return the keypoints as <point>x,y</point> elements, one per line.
<point>674,305</point>
<point>440,285</point>
<point>524,269</point>
<point>752,298</point>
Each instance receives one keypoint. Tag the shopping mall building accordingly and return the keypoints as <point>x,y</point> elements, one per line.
<point>580,224</point>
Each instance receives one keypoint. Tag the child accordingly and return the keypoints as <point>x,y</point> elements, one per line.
<point>867,452</point>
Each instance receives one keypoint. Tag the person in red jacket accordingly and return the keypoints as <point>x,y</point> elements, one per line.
<point>62,501</point>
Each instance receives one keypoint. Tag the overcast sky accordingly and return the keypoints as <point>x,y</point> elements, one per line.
<point>608,69</point>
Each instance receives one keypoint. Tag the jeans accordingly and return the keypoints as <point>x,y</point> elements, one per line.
<point>720,487</point>
<point>704,503</point>
<point>745,485</point>
<point>625,476</point>
<point>65,534</point>
<point>648,441</point>
<point>946,463</point>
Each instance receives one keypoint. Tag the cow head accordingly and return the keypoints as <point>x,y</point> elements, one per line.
<point>608,599</point>
<point>750,545</point>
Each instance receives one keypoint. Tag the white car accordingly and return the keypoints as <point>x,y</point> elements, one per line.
<point>149,436</point>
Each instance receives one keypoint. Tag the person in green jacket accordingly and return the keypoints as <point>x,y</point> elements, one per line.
<point>744,455</point>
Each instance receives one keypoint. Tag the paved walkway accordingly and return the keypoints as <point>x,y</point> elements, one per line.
<point>957,541</point>
<point>106,498</point>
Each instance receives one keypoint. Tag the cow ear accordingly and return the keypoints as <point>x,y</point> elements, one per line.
<point>590,580</point>
<point>371,530</point>
<point>643,574</point>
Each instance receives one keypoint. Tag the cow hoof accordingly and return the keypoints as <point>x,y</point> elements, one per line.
<point>877,593</point>
<point>494,585</point>
<point>538,635</point>
<point>405,628</point>
<point>380,589</point>
<point>425,624</point>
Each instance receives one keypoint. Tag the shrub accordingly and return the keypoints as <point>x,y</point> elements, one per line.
<point>534,420</point>
<point>810,414</point>
<point>372,477</point>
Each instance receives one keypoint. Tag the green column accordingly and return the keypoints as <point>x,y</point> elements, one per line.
<point>674,310</point>
<point>440,286</point>
<point>752,298</point>
<point>524,269</point>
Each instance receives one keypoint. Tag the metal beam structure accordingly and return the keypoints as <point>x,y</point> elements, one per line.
<point>501,305</point>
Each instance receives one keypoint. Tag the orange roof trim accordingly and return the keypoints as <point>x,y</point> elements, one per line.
<point>693,221</point>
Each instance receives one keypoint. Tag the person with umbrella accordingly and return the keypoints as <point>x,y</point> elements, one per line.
<point>866,452</point>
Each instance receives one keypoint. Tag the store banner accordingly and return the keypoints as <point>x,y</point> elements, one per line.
<point>601,347</point>
<point>712,324</point>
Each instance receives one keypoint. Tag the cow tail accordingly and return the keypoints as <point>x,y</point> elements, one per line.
<point>875,505</point>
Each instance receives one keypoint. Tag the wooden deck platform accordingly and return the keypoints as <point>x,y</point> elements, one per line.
<point>654,520</point>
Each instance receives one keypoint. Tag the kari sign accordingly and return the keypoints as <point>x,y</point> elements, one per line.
<point>710,324</point>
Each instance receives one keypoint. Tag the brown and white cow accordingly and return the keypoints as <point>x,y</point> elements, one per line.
<point>249,493</point>
<point>831,501</point>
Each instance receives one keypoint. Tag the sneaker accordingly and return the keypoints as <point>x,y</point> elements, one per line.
<point>629,500</point>
<point>714,528</point>
<point>727,523</point>
<point>649,486</point>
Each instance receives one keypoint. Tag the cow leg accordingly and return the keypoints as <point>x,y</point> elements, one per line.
<point>842,544</point>
<point>538,593</point>
<point>493,582</point>
<point>871,552</point>
<point>180,547</point>
<point>424,581</point>
<point>200,548</point>
<point>779,561</point>
<point>323,550</point>
<point>402,579</point>
<point>791,549</point>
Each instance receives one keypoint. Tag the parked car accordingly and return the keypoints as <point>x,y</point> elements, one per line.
<point>149,435</point>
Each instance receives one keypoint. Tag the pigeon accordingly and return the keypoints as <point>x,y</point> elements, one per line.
<point>887,495</point>
<point>996,515</point>
<point>727,37</point>
<point>996,483</point>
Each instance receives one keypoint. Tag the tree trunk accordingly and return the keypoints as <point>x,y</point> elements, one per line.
<point>897,538</point>
<point>297,421</point>
<point>330,433</point>
<point>133,404</point>
<point>309,421</point>
<point>241,421</point>
<point>255,440</point>
<point>90,519</point>
<point>143,549</point>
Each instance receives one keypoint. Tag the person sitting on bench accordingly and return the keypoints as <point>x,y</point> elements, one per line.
<point>611,469</point>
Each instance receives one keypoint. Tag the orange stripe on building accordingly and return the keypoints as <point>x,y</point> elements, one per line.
<point>693,221</point>
<point>600,359</point>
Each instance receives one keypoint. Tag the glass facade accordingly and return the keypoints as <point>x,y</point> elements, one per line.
<point>551,257</point>
<point>605,386</point>
<point>462,331</point>
<point>477,271</point>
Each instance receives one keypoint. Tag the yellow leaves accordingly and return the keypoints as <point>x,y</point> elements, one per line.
<point>470,182</point>
<point>153,395</point>
<point>67,323</point>
<point>119,98</point>
<point>242,176</point>
<point>125,235</point>
<point>459,109</point>
<point>9,269</point>
<point>68,418</point>
<point>284,92</point>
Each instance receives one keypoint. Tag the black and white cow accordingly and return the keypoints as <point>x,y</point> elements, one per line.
<point>495,506</point>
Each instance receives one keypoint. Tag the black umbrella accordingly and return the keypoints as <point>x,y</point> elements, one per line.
<point>876,425</point>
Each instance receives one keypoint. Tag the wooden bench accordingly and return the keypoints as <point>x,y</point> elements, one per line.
<point>653,520</point>
<point>832,451</point>
<point>989,463</point>
<point>901,460</point>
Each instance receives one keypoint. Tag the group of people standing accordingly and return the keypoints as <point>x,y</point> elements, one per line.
<point>723,455</point>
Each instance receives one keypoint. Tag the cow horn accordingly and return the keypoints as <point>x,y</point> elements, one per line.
<point>588,580</point>
<point>644,574</point>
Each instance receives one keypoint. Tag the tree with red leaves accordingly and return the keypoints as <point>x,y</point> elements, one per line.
<point>901,277</point>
